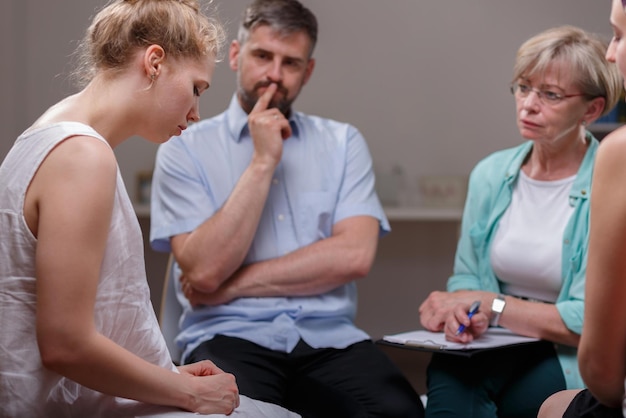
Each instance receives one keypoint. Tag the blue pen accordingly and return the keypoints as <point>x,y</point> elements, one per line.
<point>470,314</point>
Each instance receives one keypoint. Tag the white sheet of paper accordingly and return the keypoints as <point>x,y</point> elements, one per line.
<point>494,337</point>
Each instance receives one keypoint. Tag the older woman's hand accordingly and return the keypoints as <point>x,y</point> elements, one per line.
<point>474,326</point>
<point>435,309</point>
<point>438,306</point>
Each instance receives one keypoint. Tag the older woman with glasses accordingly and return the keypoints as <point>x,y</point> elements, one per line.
<point>523,244</point>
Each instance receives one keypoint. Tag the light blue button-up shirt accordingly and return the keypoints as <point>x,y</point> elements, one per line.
<point>325,176</point>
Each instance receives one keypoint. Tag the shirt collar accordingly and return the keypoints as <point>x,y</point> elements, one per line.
<point>582,183</point>
<point>238,121</point>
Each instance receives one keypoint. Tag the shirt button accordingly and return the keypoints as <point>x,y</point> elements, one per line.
<point>566,241</point>
<point>275,181</point>
<point>281,217</point>
<point>583,192</point>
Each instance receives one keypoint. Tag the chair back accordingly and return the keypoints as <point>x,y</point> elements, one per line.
<point>170,312</point>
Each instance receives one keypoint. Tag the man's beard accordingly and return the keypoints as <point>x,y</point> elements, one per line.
<point>248,98</point>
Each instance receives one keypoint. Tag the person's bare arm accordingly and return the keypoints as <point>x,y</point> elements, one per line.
<point>537,319</point>
<point>215,250</point>
<point>602,352</point>
<point>315,269</point>
<point>68,207</point>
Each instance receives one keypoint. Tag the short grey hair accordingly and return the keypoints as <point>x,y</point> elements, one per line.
<point>284,16</point>
<point>584,54</point>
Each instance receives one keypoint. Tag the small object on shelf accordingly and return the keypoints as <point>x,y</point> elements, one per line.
<point>391,186</point>
<point>144,187</point>
<point>443,191</point>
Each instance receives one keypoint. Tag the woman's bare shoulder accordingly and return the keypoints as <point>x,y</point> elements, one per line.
<point>615,139</point>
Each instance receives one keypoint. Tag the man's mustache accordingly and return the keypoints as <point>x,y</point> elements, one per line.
<point>279,87</point>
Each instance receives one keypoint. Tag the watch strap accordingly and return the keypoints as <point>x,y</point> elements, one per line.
<point>497,307</point>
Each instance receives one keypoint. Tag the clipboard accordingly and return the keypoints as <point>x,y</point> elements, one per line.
<point>435,342</point>
<point>418,346</point>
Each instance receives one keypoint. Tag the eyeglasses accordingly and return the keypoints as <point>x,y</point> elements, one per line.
<point>549,97</point>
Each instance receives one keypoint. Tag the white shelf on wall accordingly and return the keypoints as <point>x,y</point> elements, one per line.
<point>418,213</point>
<point>142,210</point>
<point>604,127</point>
<point>393,213</point>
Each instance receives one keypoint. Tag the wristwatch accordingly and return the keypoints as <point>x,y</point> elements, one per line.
<point>497,306</point>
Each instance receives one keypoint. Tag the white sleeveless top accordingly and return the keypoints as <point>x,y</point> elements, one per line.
<point>123,311</point>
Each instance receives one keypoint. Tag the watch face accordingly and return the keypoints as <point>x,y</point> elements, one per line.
<point>498,305</point>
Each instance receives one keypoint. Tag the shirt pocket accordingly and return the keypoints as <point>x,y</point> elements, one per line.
<point>315,214</point>
<point>478,238</point>
<point>576,260</point>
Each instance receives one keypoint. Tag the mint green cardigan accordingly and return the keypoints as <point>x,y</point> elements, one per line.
<point>489,194</point>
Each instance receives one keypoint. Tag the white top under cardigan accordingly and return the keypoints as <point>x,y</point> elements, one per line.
<point>527,248</point>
